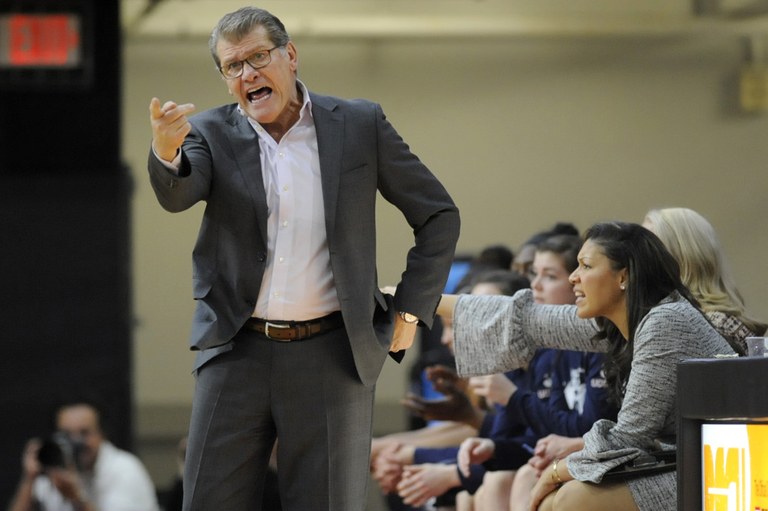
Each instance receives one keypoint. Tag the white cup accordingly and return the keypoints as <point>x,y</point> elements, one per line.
<point>757,346</point>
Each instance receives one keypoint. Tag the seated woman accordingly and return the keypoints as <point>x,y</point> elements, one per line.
<point>391,453</point>
<point>691,239</point>
<point>565,394</point>
<point>576,394</point>
<point>630,303</point>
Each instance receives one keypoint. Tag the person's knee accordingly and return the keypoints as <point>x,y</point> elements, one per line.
<point>584,496</point>
<point>572,496</point>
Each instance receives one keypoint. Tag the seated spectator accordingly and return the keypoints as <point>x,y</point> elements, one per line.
<point>460,413</point>
<point>492,257</point>
<point>577,396</point>
<point>692,241</point>
<point>631,304</point>
<point>523,260</point>
<point>565,394</point>
<point>433,472</point>
<point>83,471</point>
<point>547,449</point>
<point>432,351</point>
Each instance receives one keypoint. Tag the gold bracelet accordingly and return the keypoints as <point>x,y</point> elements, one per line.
<point>555,474</point>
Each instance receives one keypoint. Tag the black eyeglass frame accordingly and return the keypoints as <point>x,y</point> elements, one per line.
<point>246,61</point>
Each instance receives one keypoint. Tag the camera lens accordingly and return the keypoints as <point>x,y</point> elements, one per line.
<point>58,451</point>
<point>51,455</point>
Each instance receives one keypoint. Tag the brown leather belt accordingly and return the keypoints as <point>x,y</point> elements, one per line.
<point>295,330</point>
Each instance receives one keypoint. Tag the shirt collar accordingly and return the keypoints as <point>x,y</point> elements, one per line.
<point>306,107</point>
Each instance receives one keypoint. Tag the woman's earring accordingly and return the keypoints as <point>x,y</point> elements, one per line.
<point>622,287</point>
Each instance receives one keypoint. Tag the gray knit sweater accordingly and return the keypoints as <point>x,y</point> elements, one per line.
<point>494,334</point>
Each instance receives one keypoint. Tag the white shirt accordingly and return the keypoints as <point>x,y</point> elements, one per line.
<point>119,482</point>
<point>298,280</point>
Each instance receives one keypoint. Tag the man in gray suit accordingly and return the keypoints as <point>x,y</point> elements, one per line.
<point>291,327</point>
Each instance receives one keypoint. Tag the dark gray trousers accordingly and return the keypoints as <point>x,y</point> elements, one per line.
<point>307,394</point>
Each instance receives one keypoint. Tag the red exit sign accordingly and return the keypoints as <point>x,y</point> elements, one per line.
<point>40,40</point>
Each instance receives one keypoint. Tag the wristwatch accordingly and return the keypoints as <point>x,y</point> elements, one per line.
<point>408,317</point>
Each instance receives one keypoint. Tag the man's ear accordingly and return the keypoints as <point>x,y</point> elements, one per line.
<point>293,56</point>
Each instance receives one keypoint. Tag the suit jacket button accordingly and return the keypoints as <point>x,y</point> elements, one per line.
<point>261,257</point>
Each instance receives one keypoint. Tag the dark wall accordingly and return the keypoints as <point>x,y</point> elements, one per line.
<point>65,121</point>
<point>65,319</point>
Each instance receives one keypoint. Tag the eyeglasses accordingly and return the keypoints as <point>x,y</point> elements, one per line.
<point>256,60</point>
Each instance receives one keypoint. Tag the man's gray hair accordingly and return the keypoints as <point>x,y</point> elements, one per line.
<point>236,25</point>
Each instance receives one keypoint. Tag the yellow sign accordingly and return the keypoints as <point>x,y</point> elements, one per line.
<point>735,467</point>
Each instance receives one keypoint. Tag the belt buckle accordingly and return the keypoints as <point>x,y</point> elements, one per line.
<point>268,325</point>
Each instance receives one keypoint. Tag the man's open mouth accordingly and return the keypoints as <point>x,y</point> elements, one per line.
<point>259,94</point>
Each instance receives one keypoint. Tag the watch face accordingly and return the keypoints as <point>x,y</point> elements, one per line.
<point>408,317</point>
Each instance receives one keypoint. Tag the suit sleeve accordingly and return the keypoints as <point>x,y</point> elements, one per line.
<point>178,191</point>
<point>408,184</point>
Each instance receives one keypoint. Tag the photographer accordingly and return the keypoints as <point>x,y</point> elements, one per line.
<point>79,470</point>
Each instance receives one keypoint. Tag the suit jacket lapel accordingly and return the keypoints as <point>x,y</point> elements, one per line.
<point>329,126</point>
<point>245,146</point>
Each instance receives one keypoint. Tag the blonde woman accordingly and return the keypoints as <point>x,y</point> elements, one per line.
<point>692,241</point>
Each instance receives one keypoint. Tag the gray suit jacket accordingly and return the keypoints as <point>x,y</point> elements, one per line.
<point>360,154</point>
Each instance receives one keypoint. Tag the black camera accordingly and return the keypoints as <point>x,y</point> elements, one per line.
<point>60,451</point>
